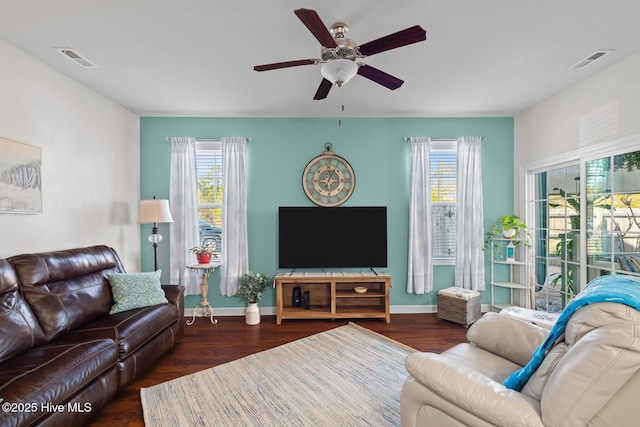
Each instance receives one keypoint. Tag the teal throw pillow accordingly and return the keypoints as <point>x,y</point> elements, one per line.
<point>135,290</point>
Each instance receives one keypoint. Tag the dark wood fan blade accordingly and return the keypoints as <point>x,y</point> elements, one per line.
<point>380,77</point>
<point>323,89</point>
<point>276,65</point>
<point>392,41</point>
<point>313,22</point>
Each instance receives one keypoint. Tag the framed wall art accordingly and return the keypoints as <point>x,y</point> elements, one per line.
<point>20,178</point>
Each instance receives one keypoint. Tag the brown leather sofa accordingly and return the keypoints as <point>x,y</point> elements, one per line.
<point>62,356</point>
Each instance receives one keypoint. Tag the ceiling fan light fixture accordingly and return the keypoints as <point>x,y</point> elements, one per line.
<point>339,71</point>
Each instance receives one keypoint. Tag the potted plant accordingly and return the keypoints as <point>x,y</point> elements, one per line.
<point>509,227</point>
<point>205,252</point>
<point>250,287</point>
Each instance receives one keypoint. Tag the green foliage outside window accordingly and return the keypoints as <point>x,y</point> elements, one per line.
<point>210,196</point>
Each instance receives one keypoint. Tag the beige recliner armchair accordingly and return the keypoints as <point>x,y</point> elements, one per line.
<point>590,376</point>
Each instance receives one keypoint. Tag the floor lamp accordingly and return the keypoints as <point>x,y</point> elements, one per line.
<point>152,212</point>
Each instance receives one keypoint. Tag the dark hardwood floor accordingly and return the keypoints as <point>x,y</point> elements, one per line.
<point>205,345</point>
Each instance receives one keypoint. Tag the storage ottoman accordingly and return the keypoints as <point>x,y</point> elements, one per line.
<point>459,305</point>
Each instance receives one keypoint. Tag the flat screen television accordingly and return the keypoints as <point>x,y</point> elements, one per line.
<point>341,237</point>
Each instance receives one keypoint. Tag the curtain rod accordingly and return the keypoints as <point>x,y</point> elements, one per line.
<point>407,138</point>
<point>168,139</point>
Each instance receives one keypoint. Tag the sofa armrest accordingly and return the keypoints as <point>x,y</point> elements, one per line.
<point>175,294</point>
<point>473,392</point>
<point>507,337</point>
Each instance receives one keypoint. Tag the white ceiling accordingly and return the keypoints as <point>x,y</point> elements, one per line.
<point>196,57</point>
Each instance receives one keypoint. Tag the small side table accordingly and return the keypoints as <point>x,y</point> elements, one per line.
<point>203,271</point>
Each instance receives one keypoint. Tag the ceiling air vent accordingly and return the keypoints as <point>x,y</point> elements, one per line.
<point>591,59</point>
<point>75,57</point>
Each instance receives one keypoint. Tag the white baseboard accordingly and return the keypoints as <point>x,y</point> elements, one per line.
<point>232,311</point>
<point>271,311</point>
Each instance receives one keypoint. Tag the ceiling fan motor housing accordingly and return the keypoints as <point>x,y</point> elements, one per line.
<point>347,49</point>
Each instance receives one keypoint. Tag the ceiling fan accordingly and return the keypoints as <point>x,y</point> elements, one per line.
<point>340,55</point>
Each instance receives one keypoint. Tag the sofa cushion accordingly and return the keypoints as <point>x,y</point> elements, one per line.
<point>130,329</point>
<point>135,290</point>
<point>490,331</point>
<point>66,289</point>
<point>588,320</point>
<point>52,374</point>
<point>19,327</point>
<point>591,374</point>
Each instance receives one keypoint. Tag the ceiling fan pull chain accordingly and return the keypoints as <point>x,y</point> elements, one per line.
<point>341,102</point>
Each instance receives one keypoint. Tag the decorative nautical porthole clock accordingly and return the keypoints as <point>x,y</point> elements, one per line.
<point>328,180</point>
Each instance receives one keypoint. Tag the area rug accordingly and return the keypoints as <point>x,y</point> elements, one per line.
<point>347,376</point>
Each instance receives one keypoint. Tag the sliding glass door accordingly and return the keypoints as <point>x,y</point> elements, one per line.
<point>586,217</point>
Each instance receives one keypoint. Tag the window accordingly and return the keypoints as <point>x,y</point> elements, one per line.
<point>210,187</point>
<point>443,165</point>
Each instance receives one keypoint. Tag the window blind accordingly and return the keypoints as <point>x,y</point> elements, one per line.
<point>210,190</point>
<point>443,165</point>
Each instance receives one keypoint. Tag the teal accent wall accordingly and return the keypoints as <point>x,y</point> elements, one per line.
<point>282,147</point>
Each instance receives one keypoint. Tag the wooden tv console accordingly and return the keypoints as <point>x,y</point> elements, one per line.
<point>331,295</point>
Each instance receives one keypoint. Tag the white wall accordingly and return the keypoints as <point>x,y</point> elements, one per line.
<point>603,107</point>
<point>90,161</point>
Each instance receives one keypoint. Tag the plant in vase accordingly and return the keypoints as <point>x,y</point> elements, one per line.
<point>250,288</point>
<point>205,252</point>
<point>508,227</point>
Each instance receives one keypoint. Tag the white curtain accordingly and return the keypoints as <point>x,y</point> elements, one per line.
<point>420,271</point>
<point>183,202</point>
<point>235,250</point>
<point>470,233</point>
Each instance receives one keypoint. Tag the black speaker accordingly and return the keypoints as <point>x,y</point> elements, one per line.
<point>307,302</point>
<point>297,297</point>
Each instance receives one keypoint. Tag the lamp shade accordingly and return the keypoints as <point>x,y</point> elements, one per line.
<point>339,71</point>
<point>155,210</point>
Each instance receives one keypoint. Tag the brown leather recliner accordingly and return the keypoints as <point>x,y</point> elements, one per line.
<point>62,356</point>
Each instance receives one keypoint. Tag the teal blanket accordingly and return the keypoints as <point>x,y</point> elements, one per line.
<point>612,288</point>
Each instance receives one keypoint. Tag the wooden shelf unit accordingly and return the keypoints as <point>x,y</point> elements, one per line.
<point>331,295</point>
